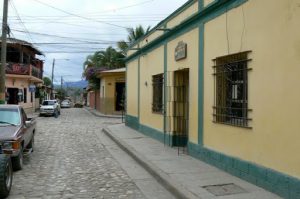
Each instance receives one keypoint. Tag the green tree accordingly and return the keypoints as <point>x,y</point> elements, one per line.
<point>61,93</point>
<point>101,60</point>
<point>47,81</point>
<point>133,35</point>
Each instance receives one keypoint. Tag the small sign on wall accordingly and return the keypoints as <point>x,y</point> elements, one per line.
<point>181,51</point>
<point>32,88</point>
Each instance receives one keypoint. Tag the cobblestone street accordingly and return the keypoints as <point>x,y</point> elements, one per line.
<point>70,161</point>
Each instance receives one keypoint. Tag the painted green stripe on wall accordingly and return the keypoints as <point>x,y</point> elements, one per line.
<point>126,89</point>
<point>139,81</point>
<point>281,184</point>
<point>200,84</point>
<point>165,89</point>
<point>200,5</point>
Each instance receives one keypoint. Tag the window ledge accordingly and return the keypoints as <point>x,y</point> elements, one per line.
<point>233,125</point>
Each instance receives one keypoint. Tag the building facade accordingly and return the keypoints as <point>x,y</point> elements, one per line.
<point>24,72</point>
<point>112,91</point>
<point>216,77</point>
<point>93,97</point>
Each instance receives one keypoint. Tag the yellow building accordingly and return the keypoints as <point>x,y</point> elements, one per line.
<point>217,76</point>
<point>112,91</point>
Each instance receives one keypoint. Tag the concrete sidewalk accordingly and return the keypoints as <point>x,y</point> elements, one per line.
<point>182,175</point>
<point>98,114</point>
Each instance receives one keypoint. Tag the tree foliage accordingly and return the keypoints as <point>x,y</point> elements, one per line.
<point>133,35</point>
<point>110,58</point>
<point>61,93</point>
<point>47,81</point>
<point>101,60</point>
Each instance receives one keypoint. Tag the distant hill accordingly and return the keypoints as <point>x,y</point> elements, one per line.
<point>78,84</point>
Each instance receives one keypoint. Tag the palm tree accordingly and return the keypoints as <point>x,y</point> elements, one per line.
<point>133,35</point>
<point>101,60</point>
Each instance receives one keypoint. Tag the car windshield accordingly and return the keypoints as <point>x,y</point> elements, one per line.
<point>65,101</point>
<point>48,103</point>
<point>9,116</point>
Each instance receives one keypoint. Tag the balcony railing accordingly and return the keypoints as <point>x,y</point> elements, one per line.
<point>23,69</point>
<point>36,72</point>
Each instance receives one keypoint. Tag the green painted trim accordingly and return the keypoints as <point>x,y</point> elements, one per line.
<point>208,13</point>
<point>132,122</point>
<point>200,84</point>
<point>284,185</point>
<point>2,101</point>
<point>164,22</point>
<point>151,132</point>
<point>139,81</point>
<point>200,5</point>
<point>179,141</point>
<point>126,87</point>
<point>159,136</point>
<point>165,90</point>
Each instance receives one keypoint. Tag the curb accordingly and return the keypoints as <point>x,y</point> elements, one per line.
<point>104,116</point>
<point>177,190</point>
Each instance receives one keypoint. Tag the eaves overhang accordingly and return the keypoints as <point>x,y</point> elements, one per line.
<point>210,12</point>
<point>163,22</point>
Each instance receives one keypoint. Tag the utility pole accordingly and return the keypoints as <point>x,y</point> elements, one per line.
<point>3,52</point>
<point>52,87</point>
<point>61,83</point>
<point>61,88</point>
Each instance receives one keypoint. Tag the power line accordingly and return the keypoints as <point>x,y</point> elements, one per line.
<point>125,7</point>
<point>121,21</point>
<point>70,24</point>
<point>67,43</point>
<point>18,16</point>
<point>70,52</point>
<point>108,15</point>
<point>64,37</point>
<point>79,16</point>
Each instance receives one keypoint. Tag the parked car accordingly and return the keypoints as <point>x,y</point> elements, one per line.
<point>16,133</point>
<point>66,104</point>
<point>6,175</point>
<point>50,107</point>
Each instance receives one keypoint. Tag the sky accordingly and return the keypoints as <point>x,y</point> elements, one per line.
<point>69,30</point>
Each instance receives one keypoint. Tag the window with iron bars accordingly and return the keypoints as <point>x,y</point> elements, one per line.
<point>157,84</point>
<point>231,90</point>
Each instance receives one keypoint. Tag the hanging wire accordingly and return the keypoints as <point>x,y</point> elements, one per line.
<point>79,16</point>
<point>19,18</point>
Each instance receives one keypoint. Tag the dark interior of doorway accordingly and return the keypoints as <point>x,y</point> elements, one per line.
<point>181,108</point>
<point>120,96</point>
<point>12,95</point>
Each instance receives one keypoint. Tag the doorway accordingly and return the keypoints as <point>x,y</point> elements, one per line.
<point>181,108</point>
<point>120,96</point>
<point>12,95</point>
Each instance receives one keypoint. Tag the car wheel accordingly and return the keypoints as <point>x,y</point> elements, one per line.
<point>6,176</point>
<point>17,162</point>
<point>31,144</point>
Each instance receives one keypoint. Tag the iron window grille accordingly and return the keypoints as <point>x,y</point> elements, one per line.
<point>157,102</point>
<point>231,90</point>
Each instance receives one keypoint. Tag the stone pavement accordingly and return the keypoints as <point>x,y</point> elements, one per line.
<point>182,175</point>
<point>70,161</point>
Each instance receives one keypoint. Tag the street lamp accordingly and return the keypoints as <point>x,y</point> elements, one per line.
<point>53,64</point>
